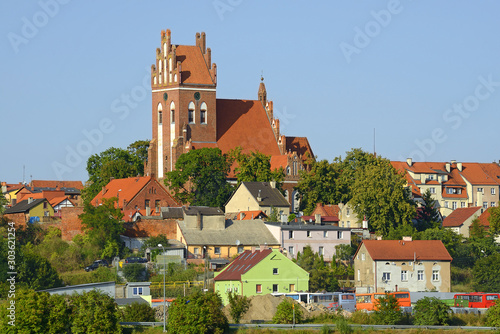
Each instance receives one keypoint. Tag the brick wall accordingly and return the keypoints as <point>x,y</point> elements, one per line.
<point>71,225</point>
<point>151,228</point>
<point>18,218</point>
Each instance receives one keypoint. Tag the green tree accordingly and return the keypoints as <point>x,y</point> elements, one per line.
<point>103,225</point>
<point>430,311</point>
<point>199,178</point>
<point>255,167</point>
<point>477,230</point>
<point>152,243</point>
<point>487,273</point>
<point>135,272</point>
<point>379,193</point>
<point>3,203</point>
<point>239,305</point>
<point>285,312</point>
<point>36,271</point>
<point>494,220</point>
<point>94,312</point>
<point>387,311</point>
<point>321,277</point>
<point>198,313</point>
<point>273,215</point>
<point>138,312</point>
<point>114,162</point>
<point>493,315</point>
<point>428,215</point>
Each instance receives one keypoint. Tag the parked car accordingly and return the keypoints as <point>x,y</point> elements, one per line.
<point>135,259</point>
<point>96,264</point>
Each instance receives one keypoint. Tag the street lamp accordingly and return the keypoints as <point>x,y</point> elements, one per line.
<point>164,298</point>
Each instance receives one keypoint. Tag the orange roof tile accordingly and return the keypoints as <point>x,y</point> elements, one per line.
<point>194,68</point>
<point>244,123</point>
<point>460,215</point>
<point>54,184</point>
<point>398,250</point>
<point>279,161</point>
<point>56,200</point>
<point>250,215</point>
<point>299,145</point>
<point>462,195</point>
<point>484,218</point>
<point>476,173</point>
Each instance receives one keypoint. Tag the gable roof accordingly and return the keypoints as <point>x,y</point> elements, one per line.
<point>204,210</point>
<point>56,184</point>
<point>243,263</point>
<point>269,196</point>
<point>476,173</point>
<point>279,161</point>
<point>328,210</point>
<point>24,206</point>
<point>390,250</point>
<point>251,215</point>
<point>245,123</point>
<point>484,218</point>
<point>299,145</point>
<point>460,215</point>
<point>194,67</point>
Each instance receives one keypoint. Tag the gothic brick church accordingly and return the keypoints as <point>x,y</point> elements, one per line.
<point>187,115</point>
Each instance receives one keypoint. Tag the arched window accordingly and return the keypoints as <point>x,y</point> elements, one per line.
<point>203,113</point>
<point>172,112</point>
<point>160,118</point>
<point>191,112</point>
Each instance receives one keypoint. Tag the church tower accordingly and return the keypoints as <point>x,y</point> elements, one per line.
<point>183,85</point>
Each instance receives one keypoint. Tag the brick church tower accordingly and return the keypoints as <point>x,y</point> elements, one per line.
<point>183,83</point>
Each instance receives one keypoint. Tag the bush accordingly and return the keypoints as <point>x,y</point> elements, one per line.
<point>138,312</point>
<point>94,312</point>
<point>431,311</point>
<point>135,272</point>
<point>387,311</point>
<point>197,314</point>
<point>493,315</point>
<point>284,312</point>
<point>239,305</point>
<point>343,326</point>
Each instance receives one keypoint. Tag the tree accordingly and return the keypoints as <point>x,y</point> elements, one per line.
<point>487,273</point>
<point>199,178</point>
<point>36,271</point>
<point>430,311</point>
<point>387,311</point>
<point>198,313</point>
<point>494,220</point>
<point>138,312</point>
<point>239,305</point>
<point>255,167</point>
<point>135,272</point>
<point>477,230</point>
<point>103,225</point>
<point>379,193</point>
<point>94,312</point>
<point>320,276</point>
<point>493,315</point>
<point>285,312</point>
<point>152,243</point>
<point>3,203</point>
<point>114,162</point>
<point>427,215</point>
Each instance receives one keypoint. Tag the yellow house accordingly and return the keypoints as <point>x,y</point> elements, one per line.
<point>33,209</point>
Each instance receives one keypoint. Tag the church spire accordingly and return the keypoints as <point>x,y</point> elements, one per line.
<point>262,92</point>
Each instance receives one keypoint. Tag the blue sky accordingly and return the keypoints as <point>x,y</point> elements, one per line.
<point>425,75</point>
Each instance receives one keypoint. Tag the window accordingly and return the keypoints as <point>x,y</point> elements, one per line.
<point>45,204</point>
<point>347,212</point>
<point>217,250</point>
<point>485,205</point>
<point>137,291</point>
<point>258,288</point>
<point>203,113</point>
<point>348,223</point>
<point>157,206</point>
<point>321,251</point>
<point>446,204</point>
<point>275,287</point>
<point>462,204</point>
<point>362,256</point>
<point>339,235</point>
<point>290,234</point>
<point>432,190</point>
<point>325,234</point>
<point>404,275</point>
<point>493,191</point>
<point>146,204</point>
<point>290,250</point>
<point>492,204</point>
<point>46,213</point>
<point>160,118</point>
<point>420,275</point>
<point>435,275</point>
<point>191,112</point>
<point>308,234</point>
<point>454,205</point>
<point>172,112</point>
<point>386,277</point>
<point>359,275</point>
<point>480,190</point>
<point>275,271</point>
<point>196,250</point>
<point>240,249</point>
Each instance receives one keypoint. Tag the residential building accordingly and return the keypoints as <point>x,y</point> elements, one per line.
<point>484,221</point>
<point>30,210</point>
<point>187,115</point>
<point>258,196</point>
<point>255,273</point>
<point>327,213</point>
<point>402,265</point>
<point>461,219</point>
<point>294,237</point>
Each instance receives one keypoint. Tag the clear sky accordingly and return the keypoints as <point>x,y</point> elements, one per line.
<point>424,74</point>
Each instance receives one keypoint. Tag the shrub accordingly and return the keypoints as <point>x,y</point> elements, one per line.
<point>285,311</point>
<point>493,315</point>
<point>431,311</point>
<point>135,272</point>
<point>239,305</point>
<point>387,311</point>
<point>343,326</point>
<point>94,312</point>
<point>137,312</point>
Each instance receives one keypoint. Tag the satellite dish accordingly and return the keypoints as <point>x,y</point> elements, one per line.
<point>238,242</point>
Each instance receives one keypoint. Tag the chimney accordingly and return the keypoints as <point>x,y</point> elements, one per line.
<point>460,166</point>
<point>453,161</point>
<point>259,198</point>
<point>317,219</point>
<point>103,190</point>
<point>272,184</point>
<point>4,187</point>
<point>448,167</point>
<point>198,220</point>
<point>409,161</point>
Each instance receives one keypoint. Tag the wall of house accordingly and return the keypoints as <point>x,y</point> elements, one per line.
<point>215,222</point>
<point>242,200</point>
<point>39,210</point>
<point>223,287</point>
<point>153,192</point>
<point>364,269</point>
<point>348,218</point>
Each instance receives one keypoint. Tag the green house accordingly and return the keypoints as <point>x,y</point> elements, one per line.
<point>259,273</point>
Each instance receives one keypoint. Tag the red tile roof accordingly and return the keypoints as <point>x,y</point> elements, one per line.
<point>463,195</point>
<point>244,123</point>
<point>194,68</point>
<point>250,215</point>
<point>330,210</point>
<point>476,173</point>
<point>460,215</point>
<point>484,218</point>
<point>299,145</point>
<point>398,250</point>
<point>278,161</point>
<point>54,184</point>
<point>244,262</point>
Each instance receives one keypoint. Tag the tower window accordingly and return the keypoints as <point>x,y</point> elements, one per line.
<point>159,117</point>
<point>191,112</point>
<point>172,112</point>
<point>203,113</point>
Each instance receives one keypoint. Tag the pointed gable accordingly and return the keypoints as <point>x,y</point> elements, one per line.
<point>460,215</point>
<point>242,264</point>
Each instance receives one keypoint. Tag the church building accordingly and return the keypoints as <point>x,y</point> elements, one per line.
<point>187,115</point>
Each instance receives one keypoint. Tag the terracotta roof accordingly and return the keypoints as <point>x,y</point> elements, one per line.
<point>484,218</point>
<point>299,145</point>
<point>476,173</point>
<point>397,250</point>
<point>463,195</point>
<point>278,161</point>
<point>194,68</point>
<point>56,184</point>
<point>244,123</point>
<point>243,263</point>
<point>56,200</point>
<point>460,215</point>
<point>492,169</point>
<point>330,210</point>
<point>251,215</point>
